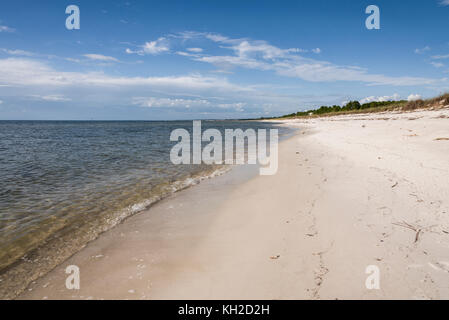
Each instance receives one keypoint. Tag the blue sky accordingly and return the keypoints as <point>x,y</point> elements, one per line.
<point>154,60</point>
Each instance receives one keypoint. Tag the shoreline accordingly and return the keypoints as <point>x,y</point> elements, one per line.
<point>56,249</point>
<point>344,198</point>
<point>45,254</point>
<point>159,216</point>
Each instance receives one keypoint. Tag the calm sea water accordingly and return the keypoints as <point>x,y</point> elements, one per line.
<point>63,183</point>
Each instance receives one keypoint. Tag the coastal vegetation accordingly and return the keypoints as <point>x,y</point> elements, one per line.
<point>374,106</point>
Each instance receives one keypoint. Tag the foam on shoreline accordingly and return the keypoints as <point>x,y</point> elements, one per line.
<point>63,244</point>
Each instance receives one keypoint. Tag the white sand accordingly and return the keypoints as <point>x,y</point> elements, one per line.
<point>351,191</point>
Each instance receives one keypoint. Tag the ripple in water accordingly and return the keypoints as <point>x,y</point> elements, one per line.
<point>63,183</point>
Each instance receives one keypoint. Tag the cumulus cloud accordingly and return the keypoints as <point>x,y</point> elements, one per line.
<point>100,57</point>
<point>158,46</point>
<point>414,97</point>
<point>394,97</point>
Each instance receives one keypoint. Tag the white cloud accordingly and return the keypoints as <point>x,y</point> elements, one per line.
<point>1,101</point>
<point>394,97</point>
<point>153,102</point>
<point>29,72</point>
<point>185,54</point>
<point>248,49</point>
<point>297,50</point>
<point>195,90</point>
<point>444,2</point>
<point>51,98</point>
<point>73,60</point>
<point>6,29</point>
<point>446,56</point>
<point>437,64</point>
<point>100,57</point>
<point>238,106</point>
<point>17,52</point>
<point>215,94</point>
<point>260,55</point>
<point>195,50</point>
<point>422,50</point>
<point>158,46</point>
<point>214,37</point>
<point>414,97</point>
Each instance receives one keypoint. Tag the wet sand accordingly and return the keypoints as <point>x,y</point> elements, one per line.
<point>350,192</point>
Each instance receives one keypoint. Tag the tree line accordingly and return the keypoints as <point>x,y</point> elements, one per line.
<point>350,106</point>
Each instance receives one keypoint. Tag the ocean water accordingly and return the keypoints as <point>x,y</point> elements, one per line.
<point>62,183</point>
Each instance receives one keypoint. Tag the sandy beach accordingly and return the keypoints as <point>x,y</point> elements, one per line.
<point>350,192</point>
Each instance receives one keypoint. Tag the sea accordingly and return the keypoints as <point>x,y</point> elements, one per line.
<point>62,183</point>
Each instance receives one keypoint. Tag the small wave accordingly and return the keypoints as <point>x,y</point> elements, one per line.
<point>169,190</point>
<point>60,246</point>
